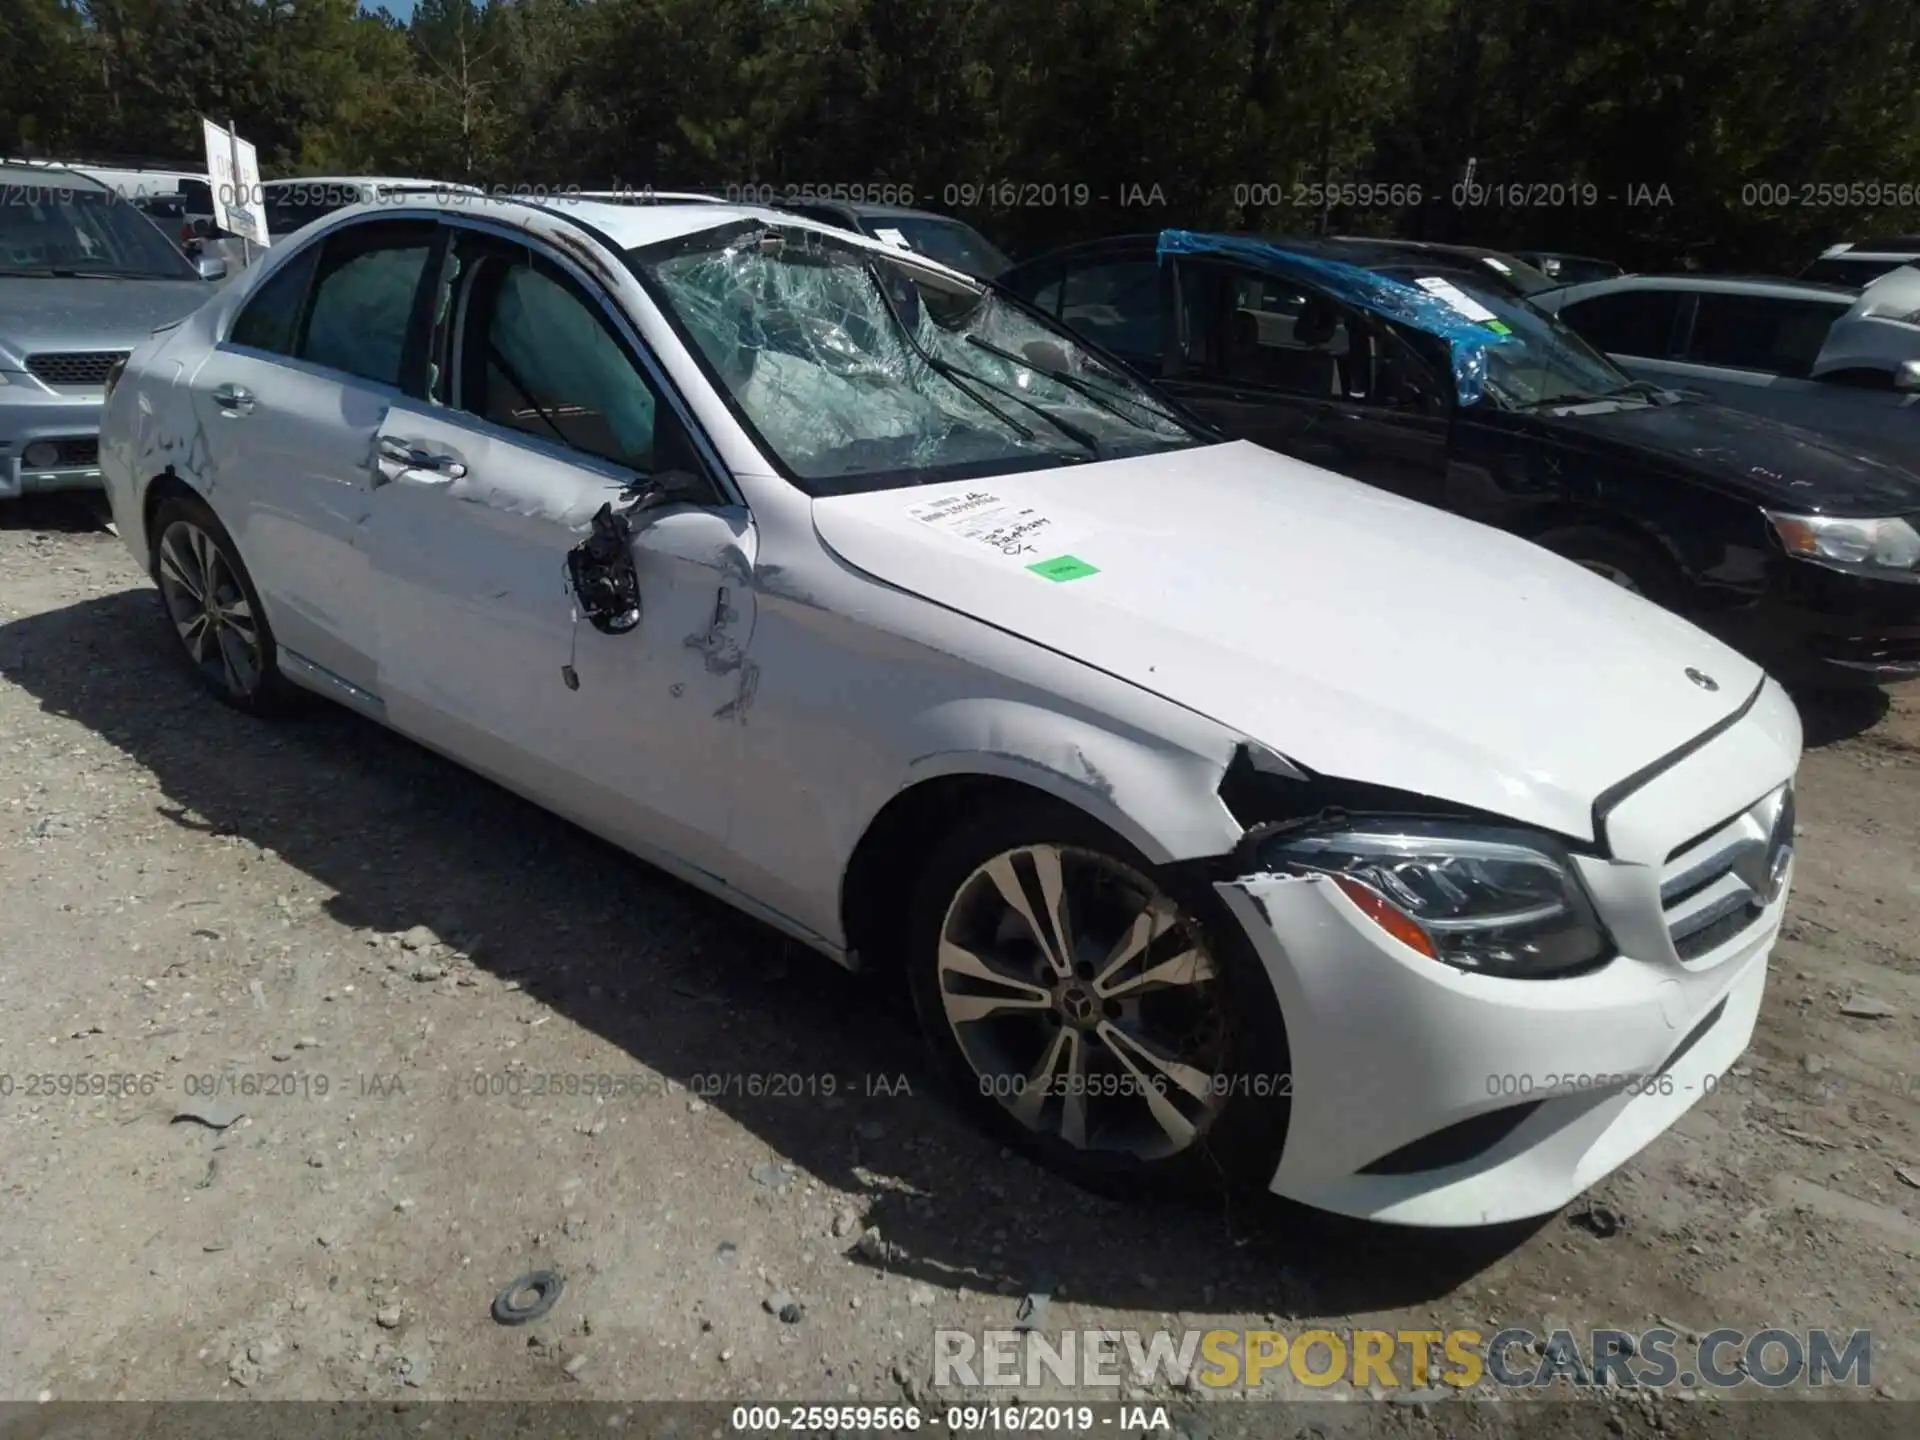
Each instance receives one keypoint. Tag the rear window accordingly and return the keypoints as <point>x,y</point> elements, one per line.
<point>951,242</point>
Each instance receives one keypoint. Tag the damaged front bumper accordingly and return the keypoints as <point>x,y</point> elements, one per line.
<point>1424,1094</point>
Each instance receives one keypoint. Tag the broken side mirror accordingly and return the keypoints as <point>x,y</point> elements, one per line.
<point>600,569</point>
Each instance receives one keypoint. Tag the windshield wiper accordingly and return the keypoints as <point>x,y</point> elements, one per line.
<point>67,272</point>
<point>1105,399</point>
<point>964,380</point>
<point>1572,397</point>
<point>1653,392</point>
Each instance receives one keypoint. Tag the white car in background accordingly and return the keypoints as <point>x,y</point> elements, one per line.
<point>1840,361</point>
<point>1228,818</point>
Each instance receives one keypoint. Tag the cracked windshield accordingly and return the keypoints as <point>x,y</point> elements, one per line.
<point>861,372</point>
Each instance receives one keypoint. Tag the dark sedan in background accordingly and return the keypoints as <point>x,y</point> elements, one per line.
<point>951,241</point>
<point>1801,553</point>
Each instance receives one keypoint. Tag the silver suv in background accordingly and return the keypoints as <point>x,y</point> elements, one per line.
<point>1855,263</point>
<point>1841,361</point>
<point>84,277</point>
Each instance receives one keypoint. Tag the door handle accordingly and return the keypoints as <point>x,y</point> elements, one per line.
<point>234,399</point>
<point>395,457</point>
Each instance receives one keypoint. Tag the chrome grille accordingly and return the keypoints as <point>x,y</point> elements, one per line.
<point>1717,885</point>
<point>74,369</point>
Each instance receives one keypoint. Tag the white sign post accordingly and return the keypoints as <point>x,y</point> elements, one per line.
<point>234,168</point>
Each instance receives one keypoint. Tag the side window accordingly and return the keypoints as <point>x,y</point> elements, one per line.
<point>536,355</point>
<point>271,319</point>
<point>1280,335</point>
<point>1116,305</point>
<point>1761,332</point>
<point>1627,322</point>
<point>363,299</point>
<point>1040,289</point>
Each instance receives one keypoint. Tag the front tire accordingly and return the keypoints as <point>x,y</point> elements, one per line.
<point>1629,563</point>
<point>214,610</point>
<point>1105,1018</point>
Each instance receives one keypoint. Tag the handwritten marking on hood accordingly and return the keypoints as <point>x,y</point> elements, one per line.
<point>1016,531</point>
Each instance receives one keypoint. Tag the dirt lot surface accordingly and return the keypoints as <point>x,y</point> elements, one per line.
<point>372,954</point>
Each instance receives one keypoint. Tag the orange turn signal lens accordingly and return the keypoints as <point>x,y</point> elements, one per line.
<point>1388,916</point>
<point>1796,535</point>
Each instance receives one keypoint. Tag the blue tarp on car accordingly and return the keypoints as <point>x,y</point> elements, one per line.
<point>1467,339</point>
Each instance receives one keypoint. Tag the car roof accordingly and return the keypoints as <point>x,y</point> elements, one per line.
<point>635,226</point>
<point>1773,285</point>
<point>1367,253</point>
<point>871,212</point>
<point>15,172</point>
<point>1866,249</point>
<point>410,180</point>
<point>645,196</point>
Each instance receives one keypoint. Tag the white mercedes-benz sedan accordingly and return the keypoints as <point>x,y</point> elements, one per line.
<point>1226,819</point>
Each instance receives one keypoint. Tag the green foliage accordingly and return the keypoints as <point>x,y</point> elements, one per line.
<point>1687,122</point>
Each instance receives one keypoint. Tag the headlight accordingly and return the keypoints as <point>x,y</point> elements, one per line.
<point>1480,898</point>
<point>1887,549</point>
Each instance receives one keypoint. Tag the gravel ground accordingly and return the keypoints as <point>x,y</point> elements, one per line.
<point>190,893</point>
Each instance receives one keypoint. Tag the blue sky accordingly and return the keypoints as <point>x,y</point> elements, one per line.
<point>401,9</point>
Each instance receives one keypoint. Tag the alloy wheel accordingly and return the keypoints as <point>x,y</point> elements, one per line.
<point>209,608</point>
<point>1086,1002</point>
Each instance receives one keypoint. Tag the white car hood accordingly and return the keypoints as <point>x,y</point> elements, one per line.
<point>1357,633</point>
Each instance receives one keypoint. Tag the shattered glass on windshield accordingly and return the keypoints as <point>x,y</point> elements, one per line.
<point>854,367</point>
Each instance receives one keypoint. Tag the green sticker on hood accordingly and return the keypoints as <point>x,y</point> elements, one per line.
<point>1063,567</point>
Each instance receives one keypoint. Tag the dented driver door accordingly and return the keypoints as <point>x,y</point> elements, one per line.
<point>483,651</point>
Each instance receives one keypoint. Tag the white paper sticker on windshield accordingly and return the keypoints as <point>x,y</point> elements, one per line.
<point>1019,532</point>
<point>1455,297</point>
<point>893,237</point>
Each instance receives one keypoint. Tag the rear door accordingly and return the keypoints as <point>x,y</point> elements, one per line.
<point>543,407</point>
<point>289,401</point>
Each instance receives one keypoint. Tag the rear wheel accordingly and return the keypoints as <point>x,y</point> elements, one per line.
<point>1629,563</point>
<point>214,610</point>
<point>1093,1012</point>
